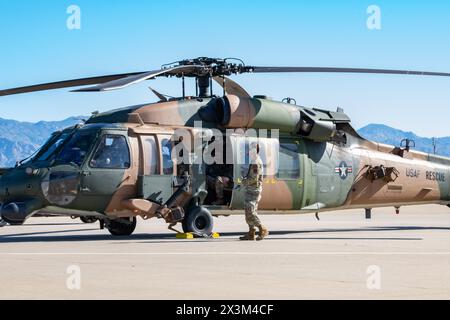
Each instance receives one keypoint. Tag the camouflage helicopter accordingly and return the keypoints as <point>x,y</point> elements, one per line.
<point>119,165</point>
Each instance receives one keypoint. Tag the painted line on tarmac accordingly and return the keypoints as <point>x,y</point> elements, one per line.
<point>223,253</point>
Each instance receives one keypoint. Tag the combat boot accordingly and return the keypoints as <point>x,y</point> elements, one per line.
<point>263,232</point>
<point>250,236</point>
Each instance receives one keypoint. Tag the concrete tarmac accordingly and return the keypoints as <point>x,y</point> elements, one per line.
<point>342,256</point>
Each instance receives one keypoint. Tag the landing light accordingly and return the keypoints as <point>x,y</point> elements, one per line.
<point>30,171</point>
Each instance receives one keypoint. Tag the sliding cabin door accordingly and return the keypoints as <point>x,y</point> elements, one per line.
<point>155,183</point>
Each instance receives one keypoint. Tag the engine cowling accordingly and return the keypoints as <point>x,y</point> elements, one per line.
<point>235,112</point>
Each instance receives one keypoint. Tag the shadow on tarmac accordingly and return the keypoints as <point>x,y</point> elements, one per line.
<point>58,235</point>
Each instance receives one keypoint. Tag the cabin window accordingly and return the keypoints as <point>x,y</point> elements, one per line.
<point>151,157</point>
<point>166,151</point>
<point>112,153</point>
<point>289,161</point>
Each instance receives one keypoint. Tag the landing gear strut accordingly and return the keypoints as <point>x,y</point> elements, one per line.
<point>368,214</point>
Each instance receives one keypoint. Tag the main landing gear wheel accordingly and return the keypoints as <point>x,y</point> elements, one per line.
<point>199,221</point>
<point>13,222</point>
<point>122,227</point>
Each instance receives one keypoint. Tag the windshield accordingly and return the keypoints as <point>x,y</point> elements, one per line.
<point>44,152</point>
<point>48,150</point>
<point>76,149</point>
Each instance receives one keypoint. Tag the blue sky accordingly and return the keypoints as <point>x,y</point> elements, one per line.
<point>135,35</point>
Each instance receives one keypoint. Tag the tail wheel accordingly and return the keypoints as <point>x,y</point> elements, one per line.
<point>88,219</point>
<point>198,220</point>
<point>122,227</point>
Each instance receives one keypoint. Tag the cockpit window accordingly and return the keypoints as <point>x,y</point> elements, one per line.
<point>76,149</point>
<point>111,153</point>
<point>49,148</point>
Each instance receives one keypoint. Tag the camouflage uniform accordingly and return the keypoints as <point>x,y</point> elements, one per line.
<point>218,179</point>
<point>253,189</point>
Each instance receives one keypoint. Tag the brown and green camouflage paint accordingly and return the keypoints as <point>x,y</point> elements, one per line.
<point>331,175</point>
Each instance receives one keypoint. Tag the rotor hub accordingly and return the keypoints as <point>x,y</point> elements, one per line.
<point>210,67</point>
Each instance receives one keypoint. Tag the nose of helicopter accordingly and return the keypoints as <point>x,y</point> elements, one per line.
<point>2,190</point>
<point>3,172</point>
<point>19,194</point>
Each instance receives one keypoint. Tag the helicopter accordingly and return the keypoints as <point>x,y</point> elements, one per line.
<point>121,164</point>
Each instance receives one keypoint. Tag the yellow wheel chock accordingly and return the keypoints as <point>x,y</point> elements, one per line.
<point>191,235</point>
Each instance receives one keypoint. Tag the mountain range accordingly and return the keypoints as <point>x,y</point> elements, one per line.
<point>19,140</point>
<point>385,134</point>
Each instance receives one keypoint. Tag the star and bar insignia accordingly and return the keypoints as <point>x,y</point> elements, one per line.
<point>343,170</point>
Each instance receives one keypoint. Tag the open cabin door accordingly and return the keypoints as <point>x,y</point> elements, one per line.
<point>155,181</point>
<point>283,174</point>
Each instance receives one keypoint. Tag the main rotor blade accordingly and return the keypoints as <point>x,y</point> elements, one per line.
<point>134,79</point>
<point>343,70</point>
<point>231,87</point>
<point>65,84</point>
<point>108,82</point>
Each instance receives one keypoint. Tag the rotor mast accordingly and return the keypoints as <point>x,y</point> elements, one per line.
<point>204,86</point>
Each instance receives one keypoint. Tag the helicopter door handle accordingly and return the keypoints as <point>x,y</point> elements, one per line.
<point>84,189</point>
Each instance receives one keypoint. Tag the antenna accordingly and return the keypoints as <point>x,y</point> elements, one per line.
<point>434,144</point>
<point>407,144</point>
